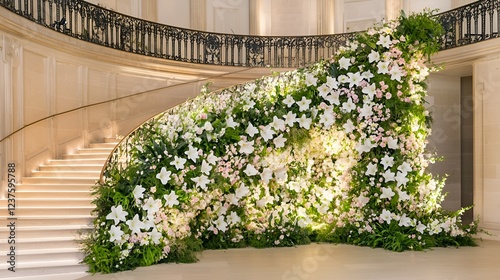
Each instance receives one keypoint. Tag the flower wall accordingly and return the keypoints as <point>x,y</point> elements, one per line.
<point>334,152</point>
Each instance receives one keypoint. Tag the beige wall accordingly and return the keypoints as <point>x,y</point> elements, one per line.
<point>487,141</point>
<point>444,105</point>
<point>64,93</point>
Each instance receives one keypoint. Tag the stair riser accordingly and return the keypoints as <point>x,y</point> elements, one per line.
<point>22,234</point>
<point>53,188</point>
<point>72,272</point>
<point>24,261</point>
<point>54,244</point>
<point>51,212</point>
<point>20,222</point>
<point>99,156</point>
<point>60,174</point>
<point>69,168</point>
<point>53,203</point>
<point>55,194</point>
<point>75,161</point>
<point>95,151</point>
<point>103,145</point>
<point>33,180</point>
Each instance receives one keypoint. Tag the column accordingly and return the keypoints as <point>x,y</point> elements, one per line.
<point>326,16</point>
<point>198,15</point>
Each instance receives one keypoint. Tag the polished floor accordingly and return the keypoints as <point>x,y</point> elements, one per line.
<point>327,261</point>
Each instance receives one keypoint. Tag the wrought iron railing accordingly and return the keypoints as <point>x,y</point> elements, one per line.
<point>476,22</point>
<point>473,23</point>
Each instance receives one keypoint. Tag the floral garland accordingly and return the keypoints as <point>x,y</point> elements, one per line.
<point>334,152</point>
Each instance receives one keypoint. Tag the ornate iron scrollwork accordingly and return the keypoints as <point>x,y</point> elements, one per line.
<point>469,24</point>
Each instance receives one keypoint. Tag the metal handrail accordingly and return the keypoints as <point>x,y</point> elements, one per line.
<point>476,22</point>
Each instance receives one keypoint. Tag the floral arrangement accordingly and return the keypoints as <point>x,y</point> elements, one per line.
<point>333,152</point>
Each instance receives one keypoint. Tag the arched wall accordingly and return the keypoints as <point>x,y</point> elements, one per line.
<point>62,93</point>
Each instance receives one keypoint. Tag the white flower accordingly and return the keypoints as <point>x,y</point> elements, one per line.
<point>138,192</point>
<point>266,175</point>
<point>364,147</point>
<point>164,175</point>
<point>117,214</point>
<point>420,227</point>
<point>279,142</point>
<point>208,126</point>
<point>278,124</point>
<point>135,224</point>
<point>348,106</point>
<point>403,196</point>
<point>383,67</point>
<point>388,175</point>
<point>324,90</point>
<point>405,167</point>
<point>348,127</point>
<point>333,98</point>
<point>212,159</point>
<point>246,147</point>
<point>290,118</point>
<point>304,104</point>
<point>401,178</point>
<point>327,119</point>
<point>304,122</point>
<point>367,75</point>
<point>192,153</point>
<point>233,218</point>
<point>281,173</point>
<point>201,181</point>
<point>242,191</point>
<point>392,143</point>
<point>311,80</point>
<point>332,83</point>
<point>115,233</point>
<point>387,161</point>
<point>230,122</point>
<point>387,193</point>
<point>205,167</point>
<point>354,79</point>
<point>249,105</point>
<point>396,73</point>
<point>178,162</point>
<point>155,236</point>
<point>220,224</point>
<point>366,111</point>
<point>344,63</point>
<point>251,130</point>
<point>371,169</point>
<point>404,221</point>
<point>289,101</point>
<point>152,205</point>
<point>371,90</point>
<point>386,216</point>
<point>343,79</point>
<point>267,199</point>
<point>323,209</point>
<point>250,170</point>
<point>363,200</point>
<point>149,222</point>
<point>267,133</point>
<point>373,56</point>
<point>384,41</point>
<point>171,199</point>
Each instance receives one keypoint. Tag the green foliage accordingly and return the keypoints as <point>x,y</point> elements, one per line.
<point>334,152</point>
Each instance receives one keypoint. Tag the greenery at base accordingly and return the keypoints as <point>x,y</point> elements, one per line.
<point>334,152</point>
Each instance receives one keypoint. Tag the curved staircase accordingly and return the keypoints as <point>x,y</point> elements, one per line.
<point>52,207</point>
